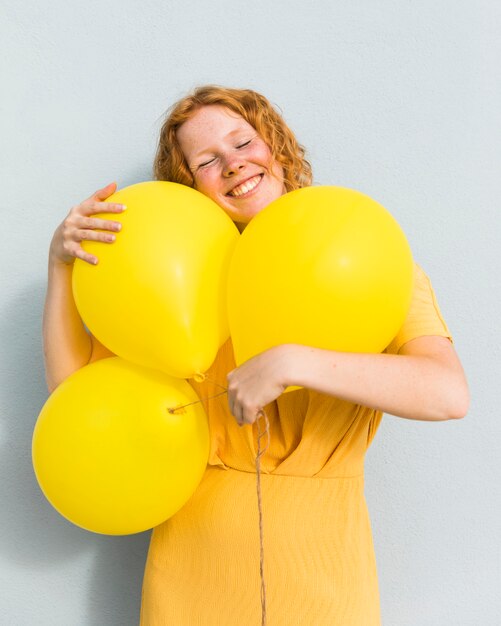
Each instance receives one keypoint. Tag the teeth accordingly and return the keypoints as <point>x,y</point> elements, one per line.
<point>245,187</point>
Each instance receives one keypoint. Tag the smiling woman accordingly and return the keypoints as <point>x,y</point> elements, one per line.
<point>233,146</point>
<point>230,162</point>
<point>203,563</point>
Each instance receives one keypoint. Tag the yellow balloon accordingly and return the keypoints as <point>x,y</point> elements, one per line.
<point>326,267</point>
<point>112,454</point>
<point>157,297</point>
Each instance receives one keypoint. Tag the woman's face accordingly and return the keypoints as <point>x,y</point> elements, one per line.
<point>230,162</point>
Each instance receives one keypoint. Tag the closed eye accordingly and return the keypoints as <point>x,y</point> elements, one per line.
<point>207,162</point>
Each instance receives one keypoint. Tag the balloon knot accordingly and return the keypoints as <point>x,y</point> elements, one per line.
<point>177,410</point>
<point>199,377</point>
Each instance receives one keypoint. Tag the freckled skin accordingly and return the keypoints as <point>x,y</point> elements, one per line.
<point>223,150</point>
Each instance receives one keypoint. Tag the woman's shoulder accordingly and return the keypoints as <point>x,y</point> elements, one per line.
<point>424,316</point>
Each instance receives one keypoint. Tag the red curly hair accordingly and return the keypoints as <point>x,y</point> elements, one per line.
<point>171,165</point>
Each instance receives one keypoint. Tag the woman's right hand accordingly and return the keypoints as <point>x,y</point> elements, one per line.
<point>80,225</point>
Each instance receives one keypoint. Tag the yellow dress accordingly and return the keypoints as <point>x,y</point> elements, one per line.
<point>320,567</point>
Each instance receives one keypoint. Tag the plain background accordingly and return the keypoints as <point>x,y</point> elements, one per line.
<point>396,98</point>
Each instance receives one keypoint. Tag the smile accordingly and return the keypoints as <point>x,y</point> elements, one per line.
<point>246,187</point>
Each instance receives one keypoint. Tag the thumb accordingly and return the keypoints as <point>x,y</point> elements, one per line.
<point>105,192</point>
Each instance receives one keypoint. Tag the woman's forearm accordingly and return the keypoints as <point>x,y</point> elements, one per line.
<point>414,387</point>
<point>67,345</point>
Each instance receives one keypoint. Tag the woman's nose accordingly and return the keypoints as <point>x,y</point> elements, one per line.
<point>232,165</point>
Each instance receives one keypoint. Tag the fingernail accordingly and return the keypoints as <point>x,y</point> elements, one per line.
<point>124,206</point>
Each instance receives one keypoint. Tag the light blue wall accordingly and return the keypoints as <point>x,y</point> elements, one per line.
<point>398,99</point>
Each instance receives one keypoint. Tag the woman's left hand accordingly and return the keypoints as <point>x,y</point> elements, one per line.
<point>259,381</point>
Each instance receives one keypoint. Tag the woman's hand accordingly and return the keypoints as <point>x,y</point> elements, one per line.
<point>79,225</point>
<point>259,381</point>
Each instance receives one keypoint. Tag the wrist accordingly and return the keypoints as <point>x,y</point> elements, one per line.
<point>56,262</point>
<point>293,356</point>
<point>59,270</point>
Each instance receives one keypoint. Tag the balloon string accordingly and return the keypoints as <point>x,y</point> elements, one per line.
<point>179,409</point>
<point>259,454</point>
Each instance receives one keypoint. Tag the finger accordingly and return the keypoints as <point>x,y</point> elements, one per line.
<point>231,403</point>
<point>235,409</point>
<point>249,415</point>
<point>91,235</point>
<point>91,208</point>
<point>105,192</point>
<point>92,223</point>
<point>79,253</point>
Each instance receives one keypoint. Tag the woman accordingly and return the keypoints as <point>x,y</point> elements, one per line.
<point>320,567</point>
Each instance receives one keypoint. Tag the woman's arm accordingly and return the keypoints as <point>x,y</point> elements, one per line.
<point>67,345</point>
<point>425,381</point>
